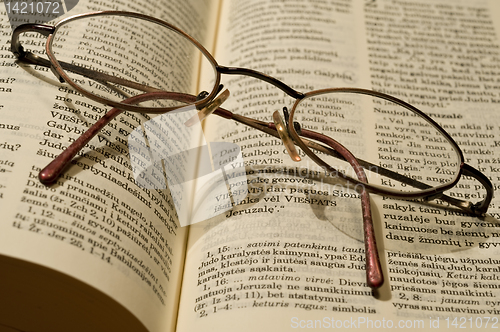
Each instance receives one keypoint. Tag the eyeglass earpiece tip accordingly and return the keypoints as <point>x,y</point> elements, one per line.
<point>46,177</point>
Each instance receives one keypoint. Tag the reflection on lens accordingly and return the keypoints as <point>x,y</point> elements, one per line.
<point>398,148</point>
<point>135,56</point>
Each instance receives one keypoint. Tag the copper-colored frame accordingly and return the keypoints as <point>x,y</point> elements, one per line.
<point>305,139</point>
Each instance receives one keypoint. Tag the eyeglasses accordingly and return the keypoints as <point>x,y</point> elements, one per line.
<point>138,63</point>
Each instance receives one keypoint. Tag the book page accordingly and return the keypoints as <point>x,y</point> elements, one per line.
<point>291,255</point>
<point>95,223</point>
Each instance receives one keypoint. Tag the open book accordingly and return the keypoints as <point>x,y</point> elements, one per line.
<point>96,251</point>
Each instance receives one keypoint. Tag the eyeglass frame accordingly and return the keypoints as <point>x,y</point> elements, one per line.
<point>204,100</point>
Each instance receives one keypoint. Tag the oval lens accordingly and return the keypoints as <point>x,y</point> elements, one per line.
<point>399,149</point>
<point>116,57</point>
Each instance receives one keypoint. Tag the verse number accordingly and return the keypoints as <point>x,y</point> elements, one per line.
<point>76,243</point>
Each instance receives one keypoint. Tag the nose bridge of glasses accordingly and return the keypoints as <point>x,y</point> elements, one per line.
<point>261,76</point>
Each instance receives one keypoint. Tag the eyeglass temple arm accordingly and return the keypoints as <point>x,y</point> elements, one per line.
<point>51,172</point>
<point>477,209</point>
<point>374,275</point>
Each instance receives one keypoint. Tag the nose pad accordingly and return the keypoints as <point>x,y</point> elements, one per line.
<point>209,109</point>
<point>285,137</point>
<point>296,125</point>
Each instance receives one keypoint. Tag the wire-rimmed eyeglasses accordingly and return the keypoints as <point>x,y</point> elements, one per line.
<point>139,63</point>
